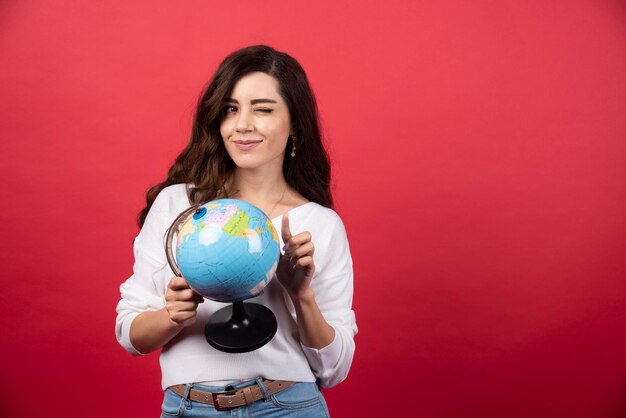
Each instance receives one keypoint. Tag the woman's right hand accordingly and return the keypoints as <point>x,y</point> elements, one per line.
<point>181,302</point>
<point>151,330</point>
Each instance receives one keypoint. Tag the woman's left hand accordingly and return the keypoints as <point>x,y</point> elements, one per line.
<point>296,267</point>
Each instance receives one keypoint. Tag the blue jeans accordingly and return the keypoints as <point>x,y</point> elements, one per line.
<point>299,400</point>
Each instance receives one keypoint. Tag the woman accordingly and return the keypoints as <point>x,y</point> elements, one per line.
<point>255,137</point>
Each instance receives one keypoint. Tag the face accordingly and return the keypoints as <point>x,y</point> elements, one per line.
<point>255,123</point>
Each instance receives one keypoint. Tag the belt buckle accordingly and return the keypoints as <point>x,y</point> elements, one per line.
<point>216,404</point>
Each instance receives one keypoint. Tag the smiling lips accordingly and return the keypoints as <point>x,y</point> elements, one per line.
<point>245,145</point>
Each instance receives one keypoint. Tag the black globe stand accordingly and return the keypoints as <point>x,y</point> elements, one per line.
<point>241,327</point>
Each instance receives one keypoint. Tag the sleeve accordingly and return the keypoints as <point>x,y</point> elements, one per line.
<point>145,289</point>
<point>333,288</point>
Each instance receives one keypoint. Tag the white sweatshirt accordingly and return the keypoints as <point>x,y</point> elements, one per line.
<point>188,358</point>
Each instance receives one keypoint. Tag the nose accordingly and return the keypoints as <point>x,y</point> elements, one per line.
<point>244,123</point>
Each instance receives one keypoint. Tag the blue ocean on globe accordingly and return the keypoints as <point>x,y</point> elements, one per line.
<point>228,250</point>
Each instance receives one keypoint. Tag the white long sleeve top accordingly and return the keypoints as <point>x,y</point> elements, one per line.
<point>187,358</point>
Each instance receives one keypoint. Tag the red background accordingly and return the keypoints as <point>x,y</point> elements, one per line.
<point>479,166</point>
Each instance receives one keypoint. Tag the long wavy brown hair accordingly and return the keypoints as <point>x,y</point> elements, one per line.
<point>205,166</point>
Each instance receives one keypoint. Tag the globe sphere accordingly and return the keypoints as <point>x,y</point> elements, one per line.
<point>227,250</point>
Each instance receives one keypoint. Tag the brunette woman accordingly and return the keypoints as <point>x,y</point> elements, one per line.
<point>255,137</point>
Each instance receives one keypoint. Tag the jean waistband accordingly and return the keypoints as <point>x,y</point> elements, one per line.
<point>231,386</point>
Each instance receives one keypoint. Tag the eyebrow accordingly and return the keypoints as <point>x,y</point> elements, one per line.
<point>254,101</point>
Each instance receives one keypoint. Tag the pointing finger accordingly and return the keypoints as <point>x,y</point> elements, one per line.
<point>285,231</point>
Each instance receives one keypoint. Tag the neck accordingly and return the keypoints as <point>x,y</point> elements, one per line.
<point>257,187</point>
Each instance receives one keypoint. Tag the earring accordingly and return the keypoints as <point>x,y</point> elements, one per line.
<point>293,143</point>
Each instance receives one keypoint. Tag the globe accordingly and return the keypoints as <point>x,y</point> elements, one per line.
<point>227,250</point>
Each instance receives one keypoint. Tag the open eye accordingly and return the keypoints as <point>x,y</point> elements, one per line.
<point>229,109</point>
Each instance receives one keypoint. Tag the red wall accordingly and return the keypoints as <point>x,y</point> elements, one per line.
<point>479,166</point>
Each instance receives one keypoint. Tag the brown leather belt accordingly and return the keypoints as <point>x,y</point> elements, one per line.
<point>232,399</point>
